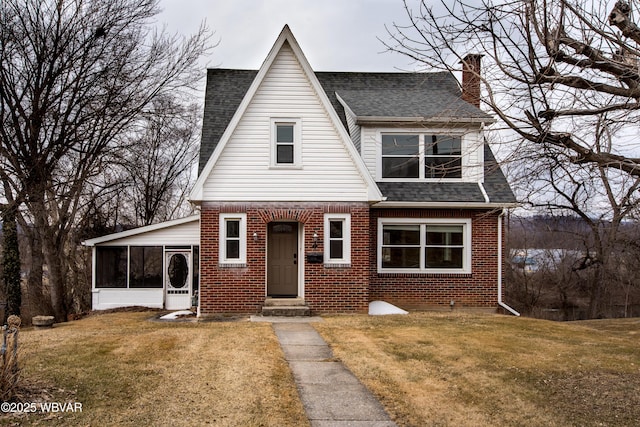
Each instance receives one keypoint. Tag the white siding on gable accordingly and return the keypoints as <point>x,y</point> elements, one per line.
<point>473,157</point>
<point>369,148</point>
<point>354,130</point>
<point>472,151</point>
<point>326,172</point>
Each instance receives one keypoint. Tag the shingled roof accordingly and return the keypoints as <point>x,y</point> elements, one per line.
<point>224,92</point>
<point>421,96</point>
<point>495,186</point>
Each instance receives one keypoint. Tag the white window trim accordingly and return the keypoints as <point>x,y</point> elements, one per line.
<point>466,253</point>
<point>297,143</point>
<point>464,153</point>
<point>346,239</point>
<point>222,241</point>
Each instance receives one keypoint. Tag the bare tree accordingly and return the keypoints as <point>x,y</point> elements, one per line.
<point>74,76</point>
<point>159,160</point>
<point>563,78</point>
<point>548,64</point>
<point>601,199</point>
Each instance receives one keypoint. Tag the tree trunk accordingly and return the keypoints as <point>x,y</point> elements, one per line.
<point>597,293</point>
<point>11,263</point>
<point>37,302</point>
<point>56,265</point>
<point>52,245</point>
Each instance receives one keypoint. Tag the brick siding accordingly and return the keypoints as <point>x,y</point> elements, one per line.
<point>477,289</point>
<point>327,289</point>
<point>349,289</point>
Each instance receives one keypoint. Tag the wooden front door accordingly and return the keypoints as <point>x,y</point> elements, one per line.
<point>282,259</point>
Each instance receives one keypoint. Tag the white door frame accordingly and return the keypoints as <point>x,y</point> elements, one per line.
<point>301,257</point>
<point>178,298</point>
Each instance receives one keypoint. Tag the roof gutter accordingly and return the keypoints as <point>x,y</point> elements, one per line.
<point>444,205</point>
<point>500,303</point>
<point>377,120</point>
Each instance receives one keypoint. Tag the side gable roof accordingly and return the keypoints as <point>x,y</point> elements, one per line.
<point>286,36</point>
<point>385,97</point>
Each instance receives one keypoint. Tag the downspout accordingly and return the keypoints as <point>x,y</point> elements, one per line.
<point>500,303</point>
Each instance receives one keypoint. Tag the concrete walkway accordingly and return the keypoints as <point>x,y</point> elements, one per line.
<point>330,393</point>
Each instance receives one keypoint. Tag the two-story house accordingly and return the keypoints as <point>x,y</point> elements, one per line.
<point>327,190</point>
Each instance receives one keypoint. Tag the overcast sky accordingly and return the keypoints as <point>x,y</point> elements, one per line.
<point>335,35</point>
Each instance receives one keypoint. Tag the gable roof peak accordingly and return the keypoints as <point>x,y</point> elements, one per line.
<point>286,36</point>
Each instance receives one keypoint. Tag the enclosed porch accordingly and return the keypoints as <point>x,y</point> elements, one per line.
<point>155,266</point>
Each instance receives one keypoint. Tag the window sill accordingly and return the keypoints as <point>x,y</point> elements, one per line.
<point>286,167</point>
<point>232,265</point>
<point>422,273</point>
<point>337,265</point>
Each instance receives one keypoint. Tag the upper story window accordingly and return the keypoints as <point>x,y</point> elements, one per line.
<point>286,143</point>
<point>443,156</point>
<point>420,156</point>
<point>400,156</point>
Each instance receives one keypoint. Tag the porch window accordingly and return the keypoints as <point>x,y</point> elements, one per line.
<point>337,238</point>
<point>145,266</point>
<point>111,266</point>
<point>285,143</point>
<point>233,239</point>
<point>196,268</point>
<point>421,245</point>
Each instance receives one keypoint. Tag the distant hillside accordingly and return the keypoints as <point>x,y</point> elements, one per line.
<point>548,232</point>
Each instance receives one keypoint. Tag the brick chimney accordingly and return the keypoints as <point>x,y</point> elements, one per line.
<point>471,79</point>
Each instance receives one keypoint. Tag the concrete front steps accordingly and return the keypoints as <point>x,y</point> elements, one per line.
<point>285,307</point>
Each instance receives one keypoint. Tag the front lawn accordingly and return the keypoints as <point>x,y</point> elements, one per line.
<point>428,369</point>
<point>456,369</point>
<point>127,371</point>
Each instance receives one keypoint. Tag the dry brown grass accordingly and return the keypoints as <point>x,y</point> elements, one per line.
<point>127,371</point>
<point>456,369</point>
<point>427,369</point>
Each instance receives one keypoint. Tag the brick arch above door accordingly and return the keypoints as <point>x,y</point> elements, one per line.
<point>298,215</point>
